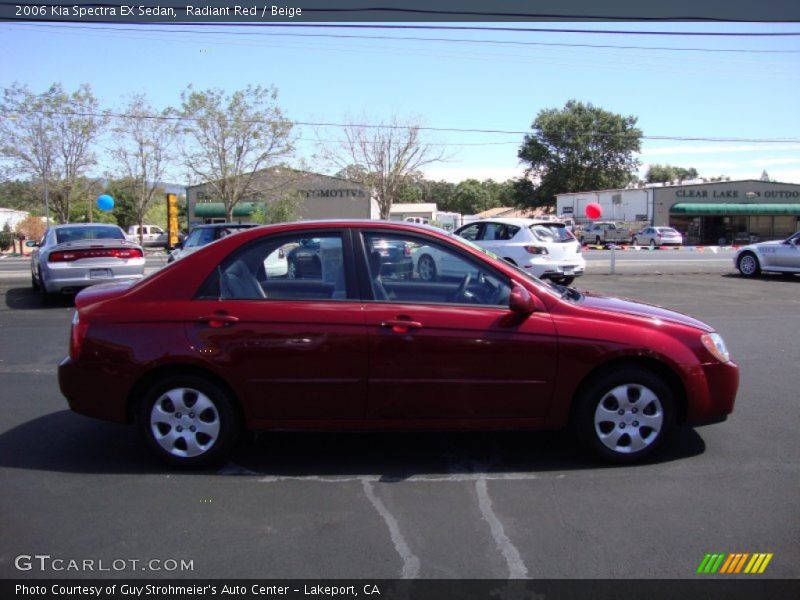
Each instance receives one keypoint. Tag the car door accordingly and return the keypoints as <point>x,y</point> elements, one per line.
<point>787,254</point>
<point>452,349</point>
<point>296,348</point>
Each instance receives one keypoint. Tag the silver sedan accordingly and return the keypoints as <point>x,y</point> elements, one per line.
<point>781,256</point>
<point>74,256</point>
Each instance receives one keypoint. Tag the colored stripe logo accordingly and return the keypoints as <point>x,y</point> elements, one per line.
<point>739,562</point>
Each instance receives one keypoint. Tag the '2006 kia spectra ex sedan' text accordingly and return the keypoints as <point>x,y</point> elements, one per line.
<point>215,344</point>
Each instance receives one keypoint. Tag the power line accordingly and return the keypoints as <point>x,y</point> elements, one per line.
<point>177,118</point>
<point>417,39</point>
<point>368,26</point>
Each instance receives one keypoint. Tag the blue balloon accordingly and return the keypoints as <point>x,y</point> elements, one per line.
<point>105,202</point>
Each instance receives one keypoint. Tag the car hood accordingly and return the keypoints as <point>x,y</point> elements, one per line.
<point>639,309</point>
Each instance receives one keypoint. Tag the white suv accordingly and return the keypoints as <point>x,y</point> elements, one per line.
<point>546,249</point>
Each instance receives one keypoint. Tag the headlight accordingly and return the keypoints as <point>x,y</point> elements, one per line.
<point>716,346</point>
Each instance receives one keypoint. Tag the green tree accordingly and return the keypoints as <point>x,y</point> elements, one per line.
<point>122,190</point>
<point>49,139</point>
<point>230,138</point>
<point>580,147</point>
<point>472,197</point>
<point>21,195</point>
<point>665,173</point>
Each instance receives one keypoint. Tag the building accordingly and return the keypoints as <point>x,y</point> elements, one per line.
<point>318,197</point>
<point>721,212</point>
<point>11,217</point>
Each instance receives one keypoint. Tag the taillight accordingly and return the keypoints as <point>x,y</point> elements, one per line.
<point>406,250</point>
<point>536,250</point>
<point>77,335</point>
<point>72,255</point>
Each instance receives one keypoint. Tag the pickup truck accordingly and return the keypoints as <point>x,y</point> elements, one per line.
<point>152,236</point>
<point>606,232</point>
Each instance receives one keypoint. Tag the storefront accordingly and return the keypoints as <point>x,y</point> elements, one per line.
<point>315,196</point>
<point>729,212</point>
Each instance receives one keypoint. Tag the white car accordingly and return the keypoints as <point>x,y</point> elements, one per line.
<point>657,236</point>
<point>74,256</point>
<point>780,256</point>
<point>546,249</point>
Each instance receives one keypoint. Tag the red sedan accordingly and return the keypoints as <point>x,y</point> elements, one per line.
<point>217,343</point>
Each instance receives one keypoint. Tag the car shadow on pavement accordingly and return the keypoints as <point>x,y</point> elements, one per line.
<point>67,442</point>
<point>26,298</point>
<point>767,277</point>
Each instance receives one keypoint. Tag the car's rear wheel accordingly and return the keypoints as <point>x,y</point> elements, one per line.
<point>748,265</point>
<point>426,268</point>
<point>45,296</point>
<point>625,415</point>
<point>189,421</point>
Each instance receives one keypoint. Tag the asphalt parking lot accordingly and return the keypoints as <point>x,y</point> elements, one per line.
<point>466,505</point>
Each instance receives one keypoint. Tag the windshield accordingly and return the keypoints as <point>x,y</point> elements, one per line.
<point>98,232</point>
<point>551,232</point>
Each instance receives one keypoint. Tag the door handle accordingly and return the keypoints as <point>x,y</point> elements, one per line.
<point>218,320</point>
<point>401,326</point>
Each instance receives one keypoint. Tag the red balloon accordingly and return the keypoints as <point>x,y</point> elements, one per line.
<point>594,211</point>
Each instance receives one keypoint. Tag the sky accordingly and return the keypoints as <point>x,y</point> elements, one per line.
<point>737,88</point>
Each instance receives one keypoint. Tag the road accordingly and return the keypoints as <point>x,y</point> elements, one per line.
<point>478,505</point>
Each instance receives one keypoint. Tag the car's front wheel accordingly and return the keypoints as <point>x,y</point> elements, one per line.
<point>625,415</point>
<point>426,268</point>
<point>189,421</point>
<point>748,265</point>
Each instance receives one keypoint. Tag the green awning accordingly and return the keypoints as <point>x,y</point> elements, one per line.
<point>216,210</point>
<point>735,209</point>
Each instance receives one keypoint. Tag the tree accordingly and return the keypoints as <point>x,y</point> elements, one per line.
<point>471,197</point>
<point>143,140</point>
<point>49,138</point>
<point>382,157</point>
<point>31,227</point>
<point>580,147</point>
<point>764,176</point>
<point>666,173</point>
<point>231,138</point>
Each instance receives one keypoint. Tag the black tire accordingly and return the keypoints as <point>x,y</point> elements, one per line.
<point>567,280</point>
<point>624,438</point>
<point>652,244</point>
<point>598,241</point>
<point>194,449</point>
<point>45,297</point>
<point>34,283</point>
<point>426,268</point>
<point>748,265</point>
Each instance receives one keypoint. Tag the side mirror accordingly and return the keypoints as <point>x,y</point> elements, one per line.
<point>522,301</point>
<point>32,244</point>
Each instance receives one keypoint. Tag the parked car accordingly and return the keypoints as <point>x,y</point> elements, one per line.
<point>211,345</point>
<point>657,236</point>
<point>305,261</point>
<point>200,235</point>
<point>546,249</point>
<point>151,236</point>
<point>606,232</point>
<point>74,256</point>
<point>781,256</point>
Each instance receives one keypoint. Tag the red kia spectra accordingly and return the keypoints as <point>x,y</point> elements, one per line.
<point>220,342</point>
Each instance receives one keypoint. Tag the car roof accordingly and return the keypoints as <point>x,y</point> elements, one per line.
<point>81,225</point>
<point>519,221</point>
